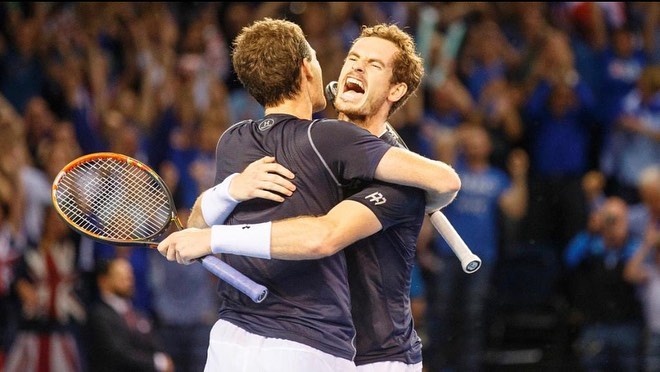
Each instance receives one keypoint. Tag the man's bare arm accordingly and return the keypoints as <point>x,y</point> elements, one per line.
<point>438,179</point>
<point>298,238</point>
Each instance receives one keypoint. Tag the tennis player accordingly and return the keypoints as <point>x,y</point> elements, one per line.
<point>305,323</point>
<point>380,265</point>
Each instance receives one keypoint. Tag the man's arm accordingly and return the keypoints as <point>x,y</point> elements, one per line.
<point>438,179</point>
<point>513,201</point>
<point>297,238</point>
<point>399,166</point>
<point>263,178</point>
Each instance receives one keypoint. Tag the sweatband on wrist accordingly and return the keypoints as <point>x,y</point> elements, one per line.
<point>245,240</point>
<point>160,361</point>
<point>217,204</point>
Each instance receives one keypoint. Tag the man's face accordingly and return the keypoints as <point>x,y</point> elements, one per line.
<point>122,281</point>
<point>364,81</point>
<point>317,96</point>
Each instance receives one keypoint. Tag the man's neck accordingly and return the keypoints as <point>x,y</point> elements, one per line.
<point>300,108</point>
<point>374,124</point>
<point>118,303</point>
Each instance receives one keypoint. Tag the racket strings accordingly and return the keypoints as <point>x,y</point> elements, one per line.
<point>114,199</point>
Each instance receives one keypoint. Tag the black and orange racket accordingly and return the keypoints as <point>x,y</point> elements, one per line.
<point>116,199</point>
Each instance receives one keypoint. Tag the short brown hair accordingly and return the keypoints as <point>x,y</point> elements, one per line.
<point>408,66</point>
<point>267,57</point>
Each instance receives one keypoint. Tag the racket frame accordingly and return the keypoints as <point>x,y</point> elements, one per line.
<point>149,240</point>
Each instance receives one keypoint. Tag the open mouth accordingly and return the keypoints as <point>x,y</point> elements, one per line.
<point>353,89</point>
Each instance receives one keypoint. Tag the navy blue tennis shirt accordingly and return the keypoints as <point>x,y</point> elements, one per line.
<point>379,273</point>
<point>308,301</point>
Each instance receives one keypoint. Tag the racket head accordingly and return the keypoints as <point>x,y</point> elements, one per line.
<point>114,198</point>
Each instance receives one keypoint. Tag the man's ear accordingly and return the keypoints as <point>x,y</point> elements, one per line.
<point>397,92</point>
<point>306,69</point>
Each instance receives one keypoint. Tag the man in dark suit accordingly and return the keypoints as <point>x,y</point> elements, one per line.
<point>121,338</point>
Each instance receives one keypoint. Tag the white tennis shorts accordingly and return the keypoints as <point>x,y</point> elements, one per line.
<point>390,367</point>
<point>232,349</point>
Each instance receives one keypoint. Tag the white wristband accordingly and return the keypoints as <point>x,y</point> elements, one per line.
<point>217,204</point>
<point>245,240</point>
<point>160,361</point>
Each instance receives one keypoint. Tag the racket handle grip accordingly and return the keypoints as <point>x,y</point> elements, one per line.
<point>235,278</point>
<point>469,261</point>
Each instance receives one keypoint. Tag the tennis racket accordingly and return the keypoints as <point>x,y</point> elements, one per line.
<point>116,199</point>
<point>469,261</point>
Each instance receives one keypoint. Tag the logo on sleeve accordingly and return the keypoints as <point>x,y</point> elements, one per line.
<point>264,125</point>
<point>376,198</point>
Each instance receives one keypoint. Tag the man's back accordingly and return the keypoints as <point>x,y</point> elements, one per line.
<point>309,301</point>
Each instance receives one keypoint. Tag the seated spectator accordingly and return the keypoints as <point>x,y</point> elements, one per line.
<point>121,338</point>
<point>606,308</point>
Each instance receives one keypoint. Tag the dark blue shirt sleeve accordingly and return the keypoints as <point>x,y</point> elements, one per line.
<point>349,152</point>
<point>392,204</point>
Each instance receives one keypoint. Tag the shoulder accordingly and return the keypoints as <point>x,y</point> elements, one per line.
<point>101,313</point>
<point>339,125</point>
<point>339,133</point>
<point>236,127</point>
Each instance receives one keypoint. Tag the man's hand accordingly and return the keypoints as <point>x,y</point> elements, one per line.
<point>186,245</point>
<point>263,178</point>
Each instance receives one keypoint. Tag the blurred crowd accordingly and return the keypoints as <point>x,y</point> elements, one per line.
<point>549,111</point>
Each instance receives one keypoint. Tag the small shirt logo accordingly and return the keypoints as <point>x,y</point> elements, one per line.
<point>264,125</point>
<point>376,198</point>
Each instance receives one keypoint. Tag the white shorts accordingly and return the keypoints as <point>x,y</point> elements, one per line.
<point>390,367</point>
<point>232,349</point>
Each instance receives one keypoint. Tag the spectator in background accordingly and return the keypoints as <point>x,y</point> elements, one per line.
<point>22,70</point>
<point>183,327</point>
<point>636,135</point>
<point>456,320</point>
<point>639,214</point>
<point>558,117</point>
<point>498,104</point>
<point>10,252</point>
<point>185,304</point>
<point>605,307</point>
<point>620,63</point>
<point>643,270</point>
<point>121,338</point>
<point>648,209</point>
<point>12,236</point>
<point>447,105</point>
<point>486,55</point>
<point>51,312</point>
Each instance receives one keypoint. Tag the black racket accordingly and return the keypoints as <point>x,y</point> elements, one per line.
<point>116,199</point>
